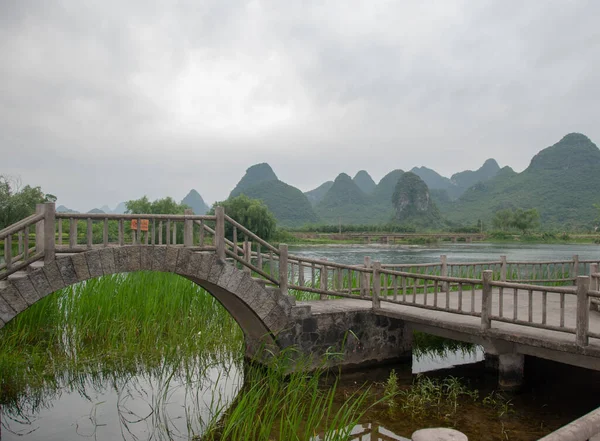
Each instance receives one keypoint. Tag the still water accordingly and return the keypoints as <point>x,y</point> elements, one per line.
<point>460,252</point>
<point>170,405</point>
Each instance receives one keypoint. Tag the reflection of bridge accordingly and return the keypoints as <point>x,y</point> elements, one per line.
<point>364,312</point>
<point>391,238</point>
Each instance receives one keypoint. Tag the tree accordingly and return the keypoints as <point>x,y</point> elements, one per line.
<point>523,220</point>
<point>503,219</point>
<point>251,213</point>
<point>160,206</point>
<point>18,202</point>
<point>526,220</point>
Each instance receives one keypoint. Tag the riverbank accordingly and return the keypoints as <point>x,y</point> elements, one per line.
<point>315,238</point>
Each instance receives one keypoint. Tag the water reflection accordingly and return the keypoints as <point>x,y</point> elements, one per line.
<point>163,405</point>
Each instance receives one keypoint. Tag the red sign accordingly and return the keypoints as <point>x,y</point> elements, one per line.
<point>143,226</point>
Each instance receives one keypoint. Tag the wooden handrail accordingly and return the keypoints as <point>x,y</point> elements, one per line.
<point>247,232</point>
<point>15,228</point>
<point>129,216</point>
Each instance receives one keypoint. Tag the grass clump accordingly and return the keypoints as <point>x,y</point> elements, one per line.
<point>276,404</point>
<point>439,398</point>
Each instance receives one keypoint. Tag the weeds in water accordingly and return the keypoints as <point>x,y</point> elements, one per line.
<point>434,397</point>
<point>500,402</point>
<point>123,323</point>
<point>391,390</point>
<point>276,404</point>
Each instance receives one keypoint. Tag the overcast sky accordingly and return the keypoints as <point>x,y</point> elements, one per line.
<point>105,101</point>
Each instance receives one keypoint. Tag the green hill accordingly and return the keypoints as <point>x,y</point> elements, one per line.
<point>385,188</point>
<point>256,174</point>
<point>347,203</point>
<point>195,202</point>
<point>459,182</point>
<point>468,178</point>
<point>288,204</point>
<point>413,203</point>
<point>315,196</point>
<point>575,151</point>
<point>561,182</point>
<point>364,181</point>
<point>433,179</point>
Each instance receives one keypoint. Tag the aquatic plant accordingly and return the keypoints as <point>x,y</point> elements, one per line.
<point>434,397</point>
<point>128,322</point>
<point>277,404</point>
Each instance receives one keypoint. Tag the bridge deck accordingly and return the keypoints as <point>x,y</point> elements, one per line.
<point>468,327</point>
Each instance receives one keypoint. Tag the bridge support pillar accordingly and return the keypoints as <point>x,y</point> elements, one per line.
<point>510,369</point>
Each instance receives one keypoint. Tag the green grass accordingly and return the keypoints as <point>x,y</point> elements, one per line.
<point>278,405</point>
<point>124,322</point>
<point>122,329</point>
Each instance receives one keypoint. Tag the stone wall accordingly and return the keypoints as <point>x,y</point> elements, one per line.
<point>347,339</point>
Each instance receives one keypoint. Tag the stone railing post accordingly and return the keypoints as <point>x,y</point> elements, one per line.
<point>503,268</point>
<point>220,232</point>
<point>376,285</point>
<point>444,269</point>
<point>486,300</point>
<point>49,231</point>
<point>583,312</point>
<point>39,229</point>
<point>188,229</point>
<point>283,268</point>
<point>364,286</point>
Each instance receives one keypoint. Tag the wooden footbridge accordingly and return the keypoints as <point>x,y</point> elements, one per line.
<point>545,309</point>
<point>366,313</point>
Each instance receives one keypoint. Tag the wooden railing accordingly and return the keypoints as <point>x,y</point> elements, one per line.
<point>20,250</point>
<point>492,291</point>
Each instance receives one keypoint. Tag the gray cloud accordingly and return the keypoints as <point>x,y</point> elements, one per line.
<point>106,101</point>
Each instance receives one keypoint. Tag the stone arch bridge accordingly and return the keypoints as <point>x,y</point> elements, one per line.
<point>366,313</point>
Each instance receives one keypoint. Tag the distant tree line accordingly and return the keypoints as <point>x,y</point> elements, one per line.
<point>18,201</point>
<point>518,219</point>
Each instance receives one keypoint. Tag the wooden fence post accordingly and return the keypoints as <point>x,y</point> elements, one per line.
<point>594,285</point>
<point>220,232</point>
<point>575,268</point>
<point>283,268</point>
<point>39,229</point>
<point>593,280</point>
<point>49,231</point>
<point>247,255</point>
<point>364,277</point>
<point>503,268</point>
<point>376,285</point>
<point>583,313</point>
<point>486,300</point>
<point>323,282</point>
<point>188,229</point>
<point>444,269</point>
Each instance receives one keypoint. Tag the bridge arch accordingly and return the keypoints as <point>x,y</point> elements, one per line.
<point>262,313</point>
